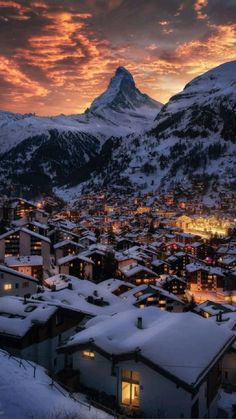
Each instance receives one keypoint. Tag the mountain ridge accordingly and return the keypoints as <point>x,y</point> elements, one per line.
<point>188,145</point>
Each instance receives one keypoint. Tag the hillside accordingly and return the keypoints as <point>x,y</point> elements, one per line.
<point>41,152</point>
<point>191,146</point>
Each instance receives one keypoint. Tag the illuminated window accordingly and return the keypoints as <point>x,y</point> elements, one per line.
<point>151,299</point>
<point>7,287</point>
<point>88,354</point>
<point>130,388</point>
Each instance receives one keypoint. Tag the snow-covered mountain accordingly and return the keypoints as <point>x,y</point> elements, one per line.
<point>192,145</point>
<point>123,96</point>
<point>126,139</point>
<point>120,110</point>
<point>45,150</point>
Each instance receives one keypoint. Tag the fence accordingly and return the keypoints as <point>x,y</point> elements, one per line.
<point>62,388</point>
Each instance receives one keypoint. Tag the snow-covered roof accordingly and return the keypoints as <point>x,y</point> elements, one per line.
<point>66,242</point>
<point>76,298</point>
<point>11,271</point>
<point>170,341</point>
<point>113,284</point>
<point>131,270</point>
<point>32,260</point>
<point>25,230</point>
<point>69,258</point>
<point>59,281</point>
<point>16,318</point>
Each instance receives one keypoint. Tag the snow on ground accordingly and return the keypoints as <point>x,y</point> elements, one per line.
<point>22,396</point>
<point>226,401</point>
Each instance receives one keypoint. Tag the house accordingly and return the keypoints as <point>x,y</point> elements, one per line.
<point>213,309</point>
<point>24,242</point>
<point>152,364</point>
<point>38,227</point>
<point>83,295</point>
<point>146,295</point>
<point>33,329</point>
<point>138,274</point>
<point>98,255</point>
<point>76,265</point>
<point>173,284</point>
<point>65,248</point>
<point>204,278</point>
<point>28,265</point>
<point>16,283</point>
<point>116,286</point>
<point>160,266</point>
<point>125,259</point>
<point>124,243</point>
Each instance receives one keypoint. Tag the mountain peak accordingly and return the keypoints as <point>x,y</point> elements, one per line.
<point>122,94</point>
<point>122,71</point>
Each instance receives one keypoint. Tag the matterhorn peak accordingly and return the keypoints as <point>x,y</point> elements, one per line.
<point>122,71</point>
<point>122,94</point>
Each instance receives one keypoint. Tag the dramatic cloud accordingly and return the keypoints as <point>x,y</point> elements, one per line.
<point>57,56</point>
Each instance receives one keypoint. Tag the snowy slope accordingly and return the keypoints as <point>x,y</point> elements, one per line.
<point>22,396</point>
<point>192,143</point>
<point>107,115</point>
<point>38,153</point>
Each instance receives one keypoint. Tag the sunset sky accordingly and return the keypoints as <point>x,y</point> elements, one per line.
<point>56,56</point>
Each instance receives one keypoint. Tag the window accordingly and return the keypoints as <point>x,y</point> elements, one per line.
<point>59,318</point>
<point>130,388</point>
<point>16,285</point>
<point>1,276</point>
<point>7,287</point>
<point>25,284</point>
<point>88,354</point>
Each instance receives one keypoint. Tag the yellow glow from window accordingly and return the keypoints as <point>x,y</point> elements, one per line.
<point>88,354</point>
<point>7,287</point>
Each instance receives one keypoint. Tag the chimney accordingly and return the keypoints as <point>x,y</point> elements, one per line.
<point>140,323</point>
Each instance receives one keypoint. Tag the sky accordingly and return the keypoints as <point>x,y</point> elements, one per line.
<point>56,56</point>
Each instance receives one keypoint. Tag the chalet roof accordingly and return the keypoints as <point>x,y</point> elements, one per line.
<point>169,341</point>
<point>69,258</point>
<point>16,318</point>
<point>11,271</point>
<point>66,242</point>
<point>32,260</point>
<point>130,270</point>
<point>113,284</point>
<point>27,231</point>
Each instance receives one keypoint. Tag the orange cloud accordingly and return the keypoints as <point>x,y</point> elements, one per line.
<point>202,55</point>
<point>12,74</point>
<point>198,6</point>
<point>67,60</point>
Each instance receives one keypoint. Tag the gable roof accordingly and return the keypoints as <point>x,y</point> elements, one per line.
<point>27,231</point>
<point>4,268</point>
<point>169,341</point>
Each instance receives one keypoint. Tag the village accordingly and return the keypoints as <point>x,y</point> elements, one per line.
<point>128,300</point>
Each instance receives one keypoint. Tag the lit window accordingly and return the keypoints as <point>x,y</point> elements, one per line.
<point>7,287</point>
<point>151,299</point>
<point>88,354</point>
<point>130,388</point>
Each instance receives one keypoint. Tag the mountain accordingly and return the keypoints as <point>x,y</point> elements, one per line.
<point>43,151</point>
<point>191,147</point>
<point>123,96</point>
<point>120,110</point>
